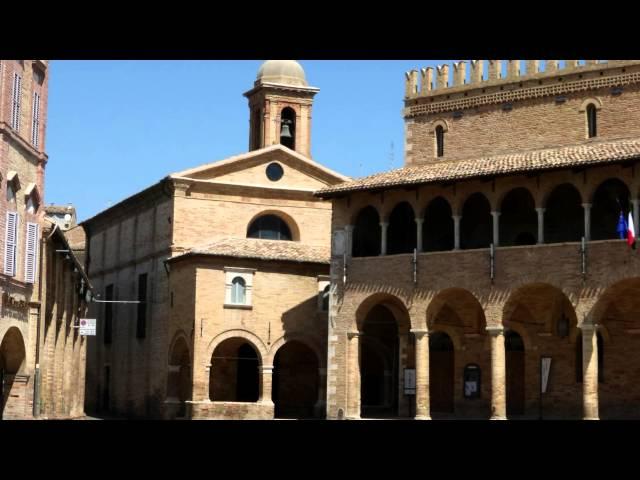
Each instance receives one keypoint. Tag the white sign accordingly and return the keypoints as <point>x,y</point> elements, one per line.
<point>409,381</point>
<point>88,326</point>
<point>546,367</point>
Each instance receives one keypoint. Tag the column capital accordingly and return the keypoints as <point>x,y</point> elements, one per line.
<point>456,217</point>
<point>419,333</point>
<point>419,220</point>
<point>587,326</point>
<point>266,368</point>
<point>540,209</point>
<point>351,335</point>
<point>495,213</point>
<point>586,205</point>
<point>384,224</point>
<point>635,200</point>
<point>495,330</point>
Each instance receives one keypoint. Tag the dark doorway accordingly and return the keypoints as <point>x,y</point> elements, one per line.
<point>366,233</point>
<point>379,364</point>
<point>402,233</point>
<point>295,381</point>
<point>437,229</point>
<point>610,199</point>
<point>564,215</point>
<point>518,219</point>
<point>234,372</point>
<point>514,349</point>
<point>476,228</point>
<point>441,372</point>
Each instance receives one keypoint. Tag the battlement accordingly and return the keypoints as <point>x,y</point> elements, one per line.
<point>445,88</point>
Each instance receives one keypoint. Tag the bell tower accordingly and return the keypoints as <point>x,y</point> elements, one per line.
<point>280,107</point>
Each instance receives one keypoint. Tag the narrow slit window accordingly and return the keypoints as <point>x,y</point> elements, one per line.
<point>439,141</point>
<point>592,121</point>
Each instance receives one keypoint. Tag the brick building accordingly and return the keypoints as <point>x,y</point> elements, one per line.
<point>32,354</point>
<point>229,262</point>
<point>510,197</point>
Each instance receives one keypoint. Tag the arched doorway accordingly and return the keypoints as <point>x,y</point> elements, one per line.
<point>518,218</point>
<point>515,370</point>
<point>234,372</point>
<point>402,233</point>
<point>179,376</point>
<point>609,200</point>
<point>12,363</point>
<point>295,381</point>
<point>437,229</point>
<point>476,230</point>
<point>616,313</point>
<point>366,233</point>
<point>564,215</point>
<point>441,373</point>
<point>379,364</point>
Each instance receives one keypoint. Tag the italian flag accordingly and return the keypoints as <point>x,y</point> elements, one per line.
<point>631,233</point>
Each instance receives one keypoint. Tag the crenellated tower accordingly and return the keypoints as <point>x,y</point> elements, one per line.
<point>488,107</point>
<point>280,107</point>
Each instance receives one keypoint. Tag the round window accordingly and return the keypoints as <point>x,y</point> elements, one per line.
<point>274,172</point>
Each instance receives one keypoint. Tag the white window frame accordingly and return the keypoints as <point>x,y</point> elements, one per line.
<point>11,247</point>
<point>35,124</point>
<point>247,274</point>
<point>31,252</point>
<point>16,101</point>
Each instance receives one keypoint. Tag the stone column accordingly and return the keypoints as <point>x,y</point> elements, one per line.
<point>496,228</point>
<point>423,410</point>
<point>348,241</point>
<point>419,222</point>
<point>383,236</point>
<point>267,381</point>
<point>320,406</point>
<point>498,374</point>
<point>589,371</point>
<point>540,225</point>
<point>587,221</point>
<point>456,231</point>
<point>636,213</point>
<point>353,375</point>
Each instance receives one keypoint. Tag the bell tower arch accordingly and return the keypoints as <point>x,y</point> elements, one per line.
<point>280,105</point>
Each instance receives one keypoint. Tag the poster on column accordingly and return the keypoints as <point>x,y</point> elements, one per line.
<point>88,326</point>
<point>545,368</point>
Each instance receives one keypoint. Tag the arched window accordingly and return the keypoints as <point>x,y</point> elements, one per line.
<point>518,221</point>
<point>591,120</point>
<point>610,200</point>
<point>238,290</point>
<point>366,233</point>
<point>437,229</point>
<point>439,141</point>
<point>269,227</point>
<point>402,234</point>
<point>476,224</point>
<point>288,128</point>
<point>564,215</point>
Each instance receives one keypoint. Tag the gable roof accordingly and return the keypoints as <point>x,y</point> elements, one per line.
<point>262,249</point>
<point>589,153</point>
<point>326,173</point>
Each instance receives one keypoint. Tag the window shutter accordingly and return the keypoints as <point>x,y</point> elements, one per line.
<point>10,244</point>
<point>31,253</point>
<point>17,95</point>
<point>35,126</point>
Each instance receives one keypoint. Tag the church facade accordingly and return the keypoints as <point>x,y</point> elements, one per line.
<point>216,279</point>
<point>487,277</point>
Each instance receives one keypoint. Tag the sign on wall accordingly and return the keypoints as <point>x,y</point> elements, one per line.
<point>88,326</point>
<point>409,381</point>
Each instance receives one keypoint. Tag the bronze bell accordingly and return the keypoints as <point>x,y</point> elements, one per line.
<point>284,131</point>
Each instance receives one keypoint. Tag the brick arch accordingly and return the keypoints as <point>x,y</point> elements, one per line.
<point>503,192</point>
<point>518,294</point>
<point>591,191</point>
<point>360,208</point>
<point>547,190</point>
<point>251,338</point>
<point>422,210</point>
<point>307,340</point>
<point>452,332</point>
<point>285,217</point>
<point>180,334</point>
<point>395,305</point>
<point>441,122</point>
<point>389,205</point>
<point>601,305</point>
<point>449,296</point>
<point>595,101</point>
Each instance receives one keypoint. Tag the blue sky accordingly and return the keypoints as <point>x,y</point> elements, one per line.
<point>116,127</point>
